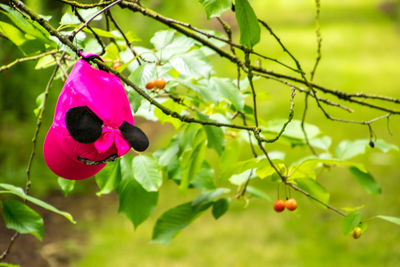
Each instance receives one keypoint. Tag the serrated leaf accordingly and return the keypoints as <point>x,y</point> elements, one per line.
<point>146,171</point>
<point>134,201</point>
<point>214,8</point>
<point>171,222</point>
<point>23,219</point>
<point>66,185</point>
<point>192,64</point>
<point>350,221</point>
<point>313,188</point>
<point>248,23</point>
<point>220,207</point>
<point>162,38</point>
<point>108,179</point>
<point>366,180</point>
<point>20,193</point>
<point>391,219</point>
<point>228,90</point>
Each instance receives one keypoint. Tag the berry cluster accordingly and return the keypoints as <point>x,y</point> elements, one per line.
<point>280,205</point>
<point>159,83</point>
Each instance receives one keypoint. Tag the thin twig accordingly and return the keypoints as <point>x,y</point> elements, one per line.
<point>24,59</point>
<point>318,38</point>
<point>74,32</point>
<point>290,117</point>
<point>98,39</point>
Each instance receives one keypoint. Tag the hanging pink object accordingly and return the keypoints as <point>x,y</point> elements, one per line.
<point>93,123</point>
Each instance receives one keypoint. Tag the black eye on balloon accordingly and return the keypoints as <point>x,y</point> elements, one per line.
<point>83,125</point>
<point>136,137</point>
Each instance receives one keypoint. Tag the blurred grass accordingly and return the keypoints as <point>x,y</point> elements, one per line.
<point>360,52</point>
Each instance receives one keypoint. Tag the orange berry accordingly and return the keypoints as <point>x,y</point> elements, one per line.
<point>291,204</point>
<point>150,85</point>
<point>279,205</point>
<point>116,65</point>
<point>160,83</point>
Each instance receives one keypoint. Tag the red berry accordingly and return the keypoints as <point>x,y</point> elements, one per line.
<point>160,83</point>
<point>291,204</point>
<point>279,205</point>
<point>116,65</point>
<point>150,85</point>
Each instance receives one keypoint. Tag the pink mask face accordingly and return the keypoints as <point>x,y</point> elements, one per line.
<point>93,124</point>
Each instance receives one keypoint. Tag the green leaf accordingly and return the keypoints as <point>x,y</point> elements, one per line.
<point>162,38</point>
<point>293,129</point>
<point>220,207</point>
<point>350,221</point>
<point>228,159</point>
<point>69,19</point>
<point>214,8</point>
<point>248,23</point>
<point>108,179</point>
<point>347,149</point>
<point>207,197</point>
<point>3,264</point>
<point>143,74</point>
<point>66,185</point>
<point>366,180</point>
<point>167,156</point>
<point>307,167</point>
<point>265,170</point>
<point>192,157</point>
<point>176,48</point>
<point>20,193</point>
<point>12,33</point>
<point>391,219</point>
<point>385,147</point>
<point>215,136</point>
<point>45,62</point>
<point>192,64</point>
<point>32,28</point>
<point>146,171</point>
<point>313,188</point>
<point>173,221</point>
<point>39,104</point>
<point>241,178</point>
<point>134,201</point>
<point>255,192</point>
<point>228,90</point>
<point>23,219</point>
<point>164,118</point>
<point>205,178</point>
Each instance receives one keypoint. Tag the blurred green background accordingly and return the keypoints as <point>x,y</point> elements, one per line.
<point>360,52</point>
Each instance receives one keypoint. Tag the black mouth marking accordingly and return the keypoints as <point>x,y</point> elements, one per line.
<point>91,162</point>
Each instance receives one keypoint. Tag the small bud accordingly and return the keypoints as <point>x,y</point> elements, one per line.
<point>371,144</point>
